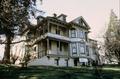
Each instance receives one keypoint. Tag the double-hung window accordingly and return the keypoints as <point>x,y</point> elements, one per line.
<point>74,48</point>
<point>81,48</point>
<point>73,33</point>
<point>81,34</point>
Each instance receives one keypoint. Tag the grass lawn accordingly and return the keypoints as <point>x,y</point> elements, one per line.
<point>40,72</point>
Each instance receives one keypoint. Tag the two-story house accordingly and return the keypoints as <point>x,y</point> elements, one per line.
<point>56,42</point>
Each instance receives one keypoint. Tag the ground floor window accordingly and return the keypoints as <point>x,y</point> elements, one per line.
<point>82,48</point>
<point>74,48</point>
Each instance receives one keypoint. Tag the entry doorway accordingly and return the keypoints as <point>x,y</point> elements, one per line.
<point>76,61</point>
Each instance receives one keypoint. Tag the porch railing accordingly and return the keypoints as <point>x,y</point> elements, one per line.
<point>57,52</point>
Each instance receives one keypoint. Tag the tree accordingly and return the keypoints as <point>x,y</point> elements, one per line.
<point>112,38</point>
<point>13,17</point>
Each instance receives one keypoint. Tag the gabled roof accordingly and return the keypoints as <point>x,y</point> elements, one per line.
<point>77,22</point>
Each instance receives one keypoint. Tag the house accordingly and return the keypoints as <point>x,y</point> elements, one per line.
<point>56,42</point>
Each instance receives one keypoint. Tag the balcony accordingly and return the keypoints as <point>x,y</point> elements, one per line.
<point>52,36</point>
<point>56,36</point>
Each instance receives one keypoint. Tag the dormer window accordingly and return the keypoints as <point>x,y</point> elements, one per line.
<point>80,22</point>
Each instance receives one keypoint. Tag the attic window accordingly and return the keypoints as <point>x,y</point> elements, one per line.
<point>81,22</point>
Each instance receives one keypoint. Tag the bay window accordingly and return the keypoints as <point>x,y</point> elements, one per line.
<point>81,48</point>
<point>74,48</point>
<point>81,34</point>
<point>73,33</point>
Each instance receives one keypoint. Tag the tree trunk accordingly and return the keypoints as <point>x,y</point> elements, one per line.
<point>119,61</point>
<point>6,58</point>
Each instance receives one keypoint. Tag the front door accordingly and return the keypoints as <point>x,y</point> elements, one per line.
<point>76,61</point>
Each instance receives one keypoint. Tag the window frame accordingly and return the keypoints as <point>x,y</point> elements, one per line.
<point>73,33</point>
<point>81,34</point>
<point>74,47</point>
<point>81,45</point>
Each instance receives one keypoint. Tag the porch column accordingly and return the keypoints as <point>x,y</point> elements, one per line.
<point>48,46</point>
<point>59,48</point>
<point>69,53</point>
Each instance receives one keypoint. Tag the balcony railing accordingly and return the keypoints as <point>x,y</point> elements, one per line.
<point>56,36</point>
<point>57,53</point>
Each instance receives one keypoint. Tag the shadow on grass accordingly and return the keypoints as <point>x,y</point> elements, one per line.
<point>42,72</point>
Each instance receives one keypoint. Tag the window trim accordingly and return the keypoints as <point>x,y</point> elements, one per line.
<point>81,34</point>
<point>73,33</point>
<point>74,48</point>
<point>81,45</point>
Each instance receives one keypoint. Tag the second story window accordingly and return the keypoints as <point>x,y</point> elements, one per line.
<point>81,34</point>
<point>58,31</point>
<point>73,33</point>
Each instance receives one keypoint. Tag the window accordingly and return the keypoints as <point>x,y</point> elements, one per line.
<point>86,36</point>
<point>74,48</point>
<point>73,33</point>
<point>82,48</point>
<point>81,34</point>
<point>58,31</point>
<point>60,46</point>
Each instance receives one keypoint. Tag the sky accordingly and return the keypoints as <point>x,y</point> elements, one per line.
<point>95,12</point>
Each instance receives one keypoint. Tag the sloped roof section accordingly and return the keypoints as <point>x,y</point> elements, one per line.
<point>81,22</point>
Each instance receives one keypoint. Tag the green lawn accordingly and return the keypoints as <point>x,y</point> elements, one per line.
<point>57,73</point>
